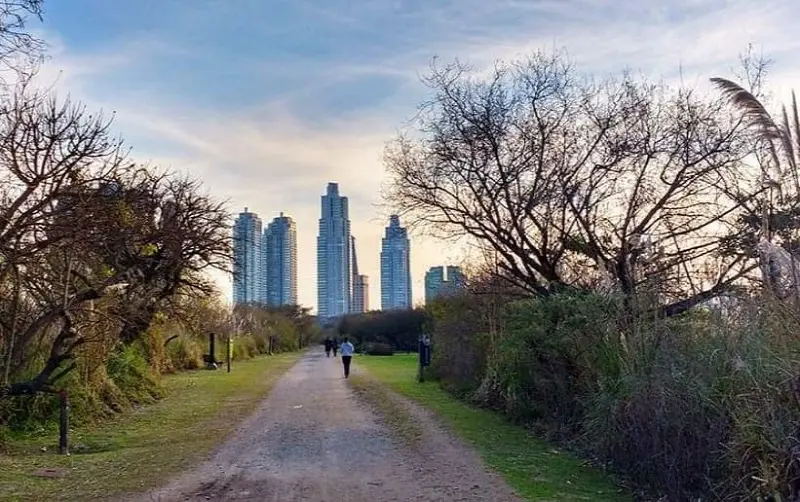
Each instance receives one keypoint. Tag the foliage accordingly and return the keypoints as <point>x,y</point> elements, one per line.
<point>400,329</point>
<point>699,405</point>
<point>378,349</point>
<point>103,260</point>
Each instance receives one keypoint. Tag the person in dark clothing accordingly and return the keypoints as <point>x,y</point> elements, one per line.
<point>335,346</point>
<point>347,356</point>
<point>328,346</point>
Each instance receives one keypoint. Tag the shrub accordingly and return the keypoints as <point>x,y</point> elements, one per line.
<point>552,356</point>
<point>184,354</point>
<point>378,349</point>
<point>696,406</point>
<point>128,370</point>
<point>245,347</point>
<point>460,343</point>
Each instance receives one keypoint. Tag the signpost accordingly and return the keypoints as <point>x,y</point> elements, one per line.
<point>424,355</point>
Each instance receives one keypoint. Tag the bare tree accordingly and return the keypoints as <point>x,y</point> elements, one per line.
<point>570,180</point>
<point>191,235</point>
<point>78,222</point>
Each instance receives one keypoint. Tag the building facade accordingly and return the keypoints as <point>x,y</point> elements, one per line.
<point>334,278</point>
<point>247,258</point>
<point>438,284</point>
<point>360,297</point>
<point>434,278</point>
<point>395,267</point>
<point>360,294</point>
<point>280,262</point>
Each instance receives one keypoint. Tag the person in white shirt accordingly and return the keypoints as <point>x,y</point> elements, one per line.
<point>347,355</point>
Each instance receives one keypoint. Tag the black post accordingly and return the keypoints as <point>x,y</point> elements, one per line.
<point>424,351</point>
<point>212,353</point>
<point>228,354</point>
<point>63,423</point>
<point>421,354</point>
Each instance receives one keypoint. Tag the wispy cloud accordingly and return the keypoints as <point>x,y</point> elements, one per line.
<point>268,101</point>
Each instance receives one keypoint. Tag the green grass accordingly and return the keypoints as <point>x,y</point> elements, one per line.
<point>535,469</point>
<point>144,448</point>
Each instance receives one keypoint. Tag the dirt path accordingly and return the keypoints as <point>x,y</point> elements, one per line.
<point>313,440</point>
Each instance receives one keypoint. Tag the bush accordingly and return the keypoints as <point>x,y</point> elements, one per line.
<point>184,354</point>
<point>378,349</point>
<point>129,372</point>
<point>460,343</point>
<point>245,347</point>
<point>109,378</point>
<point>552,356</point>
<point>697,406</point>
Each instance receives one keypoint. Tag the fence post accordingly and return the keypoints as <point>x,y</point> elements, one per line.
<point>63,423</point>
<point>228,354</point>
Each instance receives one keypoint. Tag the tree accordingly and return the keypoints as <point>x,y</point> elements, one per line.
<point>79,222</point>
<point>572,182</point>
<point>49,153</point>
<point>189,233</point>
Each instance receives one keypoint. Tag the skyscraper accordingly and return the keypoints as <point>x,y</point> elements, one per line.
<point>247,258</point>
<point>333,256</point>
<point>395,267</point>
<point>434,278</point>
<point>361,294</point>
<point>436,285</point>
<point>360,284</point>
<point>280,262</point>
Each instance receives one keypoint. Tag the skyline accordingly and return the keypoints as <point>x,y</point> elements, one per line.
<point>267,102</point>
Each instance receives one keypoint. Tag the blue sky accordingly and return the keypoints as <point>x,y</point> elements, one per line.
<point>268,100</point>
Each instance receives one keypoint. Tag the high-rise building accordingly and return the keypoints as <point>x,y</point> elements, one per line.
<point>280,262</point>
<point>247,258</point>
<point>456,280</point>
<point>334,280</point>
<point>437,285</point>
<point>395,267</point>
<point>360,298</point>
<point>434,278</point>
<point>360,294</point>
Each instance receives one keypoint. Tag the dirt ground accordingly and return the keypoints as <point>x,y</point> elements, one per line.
<point>313,440</point>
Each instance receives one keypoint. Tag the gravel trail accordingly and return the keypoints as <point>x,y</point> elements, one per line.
<point>312,439</point>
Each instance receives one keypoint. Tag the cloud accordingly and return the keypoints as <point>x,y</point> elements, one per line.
<point>268,103</point>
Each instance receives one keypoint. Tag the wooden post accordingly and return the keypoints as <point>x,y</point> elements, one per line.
<point>228,354</point>
<point>63,423</point>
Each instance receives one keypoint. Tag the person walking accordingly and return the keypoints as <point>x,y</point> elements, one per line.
<point>328,345</point>
<point>335,346</point>
<point>347,356</point>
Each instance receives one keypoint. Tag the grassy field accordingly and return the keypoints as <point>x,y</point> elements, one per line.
<point>143,448</point>
<point>537,470</point>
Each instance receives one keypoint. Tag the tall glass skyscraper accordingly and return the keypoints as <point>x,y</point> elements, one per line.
<point>395,267</point>
<point>333,256</point>
<point>247,258</point>
<point>280,262</point>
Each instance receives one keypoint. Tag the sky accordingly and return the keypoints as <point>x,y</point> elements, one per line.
<point>267,101</point>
